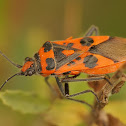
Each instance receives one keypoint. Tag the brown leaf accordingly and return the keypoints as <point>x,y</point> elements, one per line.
<point>114,121</point>
<point>117,88</point>
<point>96,85</point>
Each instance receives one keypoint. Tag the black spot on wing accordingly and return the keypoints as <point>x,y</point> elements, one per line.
<point>71,63</point>
<point>68,64</point>
<point>47,46</point>
<point>90,61</point>
<point>62,59</point>
<point>115,61</point>
<point>51,64</point>
<point>58,54</point>
<point>93,49</point>
<point>66,73</point>
<point>78,58</point>
<point>38,62</point>
<point>69,45</point>
<point>67,60</point>
<point>86,41</point>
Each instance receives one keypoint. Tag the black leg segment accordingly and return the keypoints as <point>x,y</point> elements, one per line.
<point>66,89</point>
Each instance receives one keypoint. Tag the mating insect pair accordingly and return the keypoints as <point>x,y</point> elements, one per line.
<point>88,54</point>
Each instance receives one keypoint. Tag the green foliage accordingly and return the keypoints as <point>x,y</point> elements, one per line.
<point>24,102</point>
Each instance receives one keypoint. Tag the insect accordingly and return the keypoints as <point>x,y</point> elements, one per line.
<point>88,54</point>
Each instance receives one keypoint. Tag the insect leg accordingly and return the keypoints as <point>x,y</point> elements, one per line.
<point>67,96</point>
<point>51,88</point>
<point>70,79</point>
<point>67,85</point>
<point>60,85</point>
<point>80,101</point>
<point>66,93</point>
<point>79,93</point>
<point>66,89</point>
<point>83,92</point>
<point>92,30</point>
<point>17,65</point>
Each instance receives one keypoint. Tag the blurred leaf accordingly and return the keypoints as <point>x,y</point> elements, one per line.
<point>24,102</point>
<point>114,121</point>
<point>117,109</point>
<point>96,85</point>
<point>66,113</point>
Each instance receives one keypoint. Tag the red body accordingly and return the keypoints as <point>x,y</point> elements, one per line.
<point>91,55</point>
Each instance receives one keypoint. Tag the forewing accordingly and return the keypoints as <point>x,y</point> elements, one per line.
<point>64,54</point>
<point>114,49</point>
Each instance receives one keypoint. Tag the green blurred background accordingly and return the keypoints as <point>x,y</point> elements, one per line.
<point>26,24</point>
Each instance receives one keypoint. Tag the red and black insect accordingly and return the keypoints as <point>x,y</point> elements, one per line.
<point>89,54</point>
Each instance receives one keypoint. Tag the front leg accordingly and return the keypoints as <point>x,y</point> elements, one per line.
<point>49,85</point>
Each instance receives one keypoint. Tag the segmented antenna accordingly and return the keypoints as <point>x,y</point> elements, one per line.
<point>17,65</point>
<point>9,79</point>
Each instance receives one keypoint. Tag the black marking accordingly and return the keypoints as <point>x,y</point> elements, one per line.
<point>53,74</point>
<point>71,63</point>
<point>66,89</point>
<point>93,49</point>
<point>78,58</point>
<point>62,59</point>
<point>86,41</point>
<point>69,45</point>
<point>58,54</point>
<point>51,64</point>
<point>64,43</point>
<point>66,73</point>
<point>90,61</point>
<point>47,46</point>
<point>68,64</point>
<point>116,61</point>
<point>38,62</point>
<point>67,60</point>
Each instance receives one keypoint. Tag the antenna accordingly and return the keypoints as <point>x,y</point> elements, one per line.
<point>17,65</point>
<point>9,79</point>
